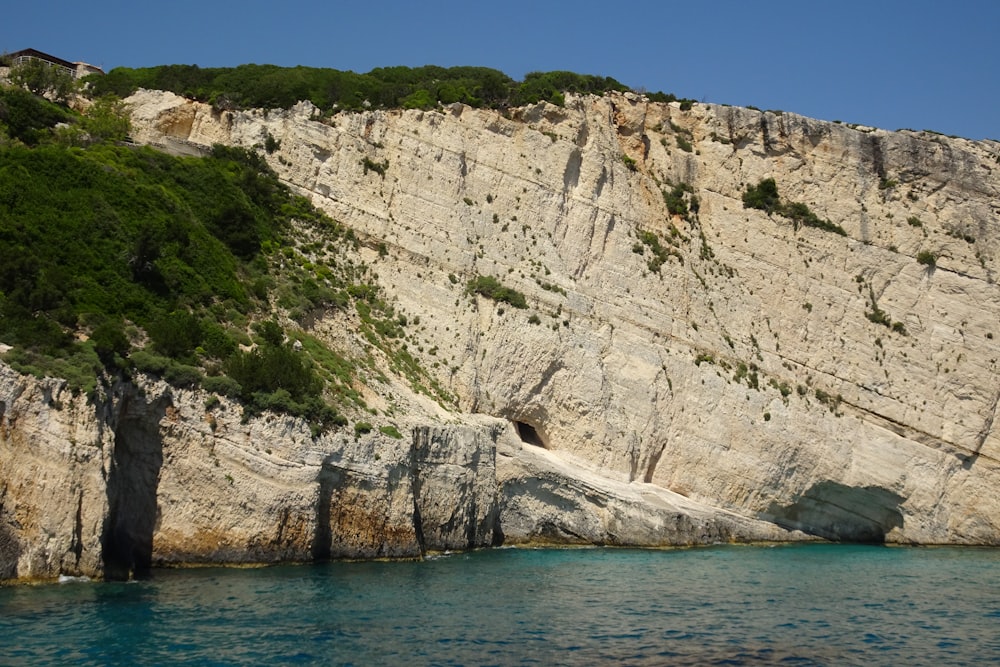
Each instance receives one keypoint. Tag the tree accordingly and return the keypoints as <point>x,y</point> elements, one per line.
<point>108,119</point>
<point>41,78</point>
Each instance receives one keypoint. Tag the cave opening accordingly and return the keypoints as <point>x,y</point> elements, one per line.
<point>529,434</point>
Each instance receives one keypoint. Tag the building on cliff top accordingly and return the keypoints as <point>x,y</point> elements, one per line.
<point>75,69</point>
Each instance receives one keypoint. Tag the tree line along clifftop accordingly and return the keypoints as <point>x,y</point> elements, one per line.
<point>271,86</point>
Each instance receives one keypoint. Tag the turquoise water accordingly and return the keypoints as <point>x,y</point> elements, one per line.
<point>790,605</point>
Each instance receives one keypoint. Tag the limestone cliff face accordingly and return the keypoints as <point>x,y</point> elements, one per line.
<point>552,201</point>
<point>143,475</point>
<point>681,378</point>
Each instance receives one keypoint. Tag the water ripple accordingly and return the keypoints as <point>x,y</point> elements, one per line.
<point>796,605</point>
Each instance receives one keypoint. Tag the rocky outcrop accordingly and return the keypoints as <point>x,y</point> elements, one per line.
<point>546,499</point>
<point>142,475</point>
<point>687,369</point>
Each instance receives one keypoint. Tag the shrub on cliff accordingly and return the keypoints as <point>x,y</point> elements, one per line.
<point>764,196</point>
<point>491,288</point>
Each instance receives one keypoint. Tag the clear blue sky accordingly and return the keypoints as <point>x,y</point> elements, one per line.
<point>892,64</point>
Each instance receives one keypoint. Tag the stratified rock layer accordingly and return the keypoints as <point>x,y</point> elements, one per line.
<point>719,374</point>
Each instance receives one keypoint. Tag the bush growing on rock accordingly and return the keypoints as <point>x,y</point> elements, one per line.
<point>490,287</point>
<point>764,196</point>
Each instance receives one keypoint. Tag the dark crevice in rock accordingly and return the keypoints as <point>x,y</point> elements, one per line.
<point>874,146</point>
<point>421,437</point>
<point>77,544</point>
<point>498,535</point>
<point>10,547</point>
<point>418,526</point>
<point>127,535</point>
<point>765,134</point>
<point>323,537</point>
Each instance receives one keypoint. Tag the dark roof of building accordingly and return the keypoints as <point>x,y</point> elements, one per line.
<point>35,53</point>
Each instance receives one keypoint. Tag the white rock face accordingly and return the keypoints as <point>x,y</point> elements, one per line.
<point>757,374</point>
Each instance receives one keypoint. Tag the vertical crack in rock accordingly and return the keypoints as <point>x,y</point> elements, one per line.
<point>415,481</point>
<point>765,134</point>
<point>77,543</point>
<point>323,536</point>
<point>874,149</point>
<point>10,548</point>
<point>127,536</point>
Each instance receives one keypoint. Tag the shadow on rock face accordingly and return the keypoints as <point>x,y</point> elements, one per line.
<point>10,549</point>
<point>127,538</point>
<point>842,513</point>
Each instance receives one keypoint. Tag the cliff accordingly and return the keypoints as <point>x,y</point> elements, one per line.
<point>687,369</point>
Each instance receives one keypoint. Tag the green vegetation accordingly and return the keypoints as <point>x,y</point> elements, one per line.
<point>40,78</point>
<point>764,196</point>
<point>927,258</point>
<point>704,357</point>
<point>28,118</point>
<point>680,200</point>
<point>682,136</point>
<point>378,167</point>
<point>117,259</point>
<point>491,288</point>
<point>829,400</point>
<point>390,431</point>
<point>747,374</point>
<point>270,86</point>
<point>659,252</point>
<point>878,316</point>
<point>675,201</point>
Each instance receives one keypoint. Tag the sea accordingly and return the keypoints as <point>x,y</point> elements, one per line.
<point>816,604</point>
